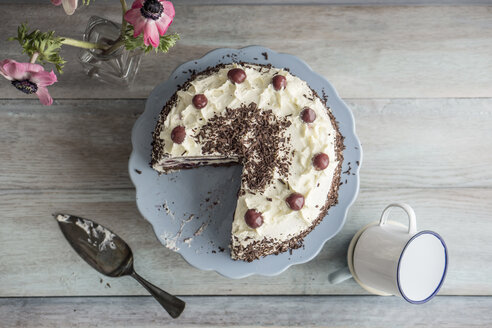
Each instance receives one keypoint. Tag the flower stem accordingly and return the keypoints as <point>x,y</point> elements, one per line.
<point>81,44</point>
<point>34,57</point>
<point>118,43</point>
<point>123,21</point>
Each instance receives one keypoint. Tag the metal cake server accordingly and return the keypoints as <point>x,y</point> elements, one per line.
<point>110,255</point>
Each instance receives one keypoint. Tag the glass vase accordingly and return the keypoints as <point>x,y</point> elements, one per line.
<point>118,67</point>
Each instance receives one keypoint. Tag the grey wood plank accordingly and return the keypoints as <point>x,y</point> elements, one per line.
<point>40,145</point>
<point>37,261</point>
<point>366,52</point>
<point>415,143</point>
<point>233,311</point>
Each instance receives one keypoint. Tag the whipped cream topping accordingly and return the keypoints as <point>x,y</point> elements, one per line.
<point>306,140</point>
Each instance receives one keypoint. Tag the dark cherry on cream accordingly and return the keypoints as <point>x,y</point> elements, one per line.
<point>308,115</point>
<point>321,161</point>
<point>236,75</point>
<point>295,201</point>
<point>178,134</point>
<point>279,82</point>
<point>253,218</point>
<point>200,101</point>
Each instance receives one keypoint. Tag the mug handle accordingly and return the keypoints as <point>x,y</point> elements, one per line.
<point>339,276</point>
<point>412,221</point>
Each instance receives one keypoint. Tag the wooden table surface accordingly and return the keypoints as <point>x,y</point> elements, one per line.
<point>419,82</point>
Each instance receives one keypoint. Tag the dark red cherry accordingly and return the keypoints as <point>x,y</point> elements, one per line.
<point>178,134</point>
<point>200,101</point>
<point>295,201</point>
<point>279,82</point>
<point>308,115</point>
<point>236,75</point>
<point>321,161</point>
<point>253,218</point>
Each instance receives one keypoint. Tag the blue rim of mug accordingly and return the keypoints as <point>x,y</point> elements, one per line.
<point>443,274</point>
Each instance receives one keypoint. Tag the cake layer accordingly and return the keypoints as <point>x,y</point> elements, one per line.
<point>167,164</point>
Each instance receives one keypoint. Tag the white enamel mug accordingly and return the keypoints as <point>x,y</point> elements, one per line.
<point>401,261</point>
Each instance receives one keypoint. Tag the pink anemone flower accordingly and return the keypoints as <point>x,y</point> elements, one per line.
<point>29,78</point>
<point>68,5</point>
<point>153,17</point>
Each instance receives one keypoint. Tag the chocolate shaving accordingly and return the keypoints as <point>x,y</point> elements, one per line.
<point>254,136</point>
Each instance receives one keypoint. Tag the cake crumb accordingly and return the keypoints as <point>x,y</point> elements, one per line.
<point>188,241</point>
<point>201,229</point>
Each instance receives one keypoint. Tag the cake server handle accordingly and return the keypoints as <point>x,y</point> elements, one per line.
<point>173,305</point>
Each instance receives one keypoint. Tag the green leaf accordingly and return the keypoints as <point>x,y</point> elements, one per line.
<point>166,41</point>
<point>46,44</point>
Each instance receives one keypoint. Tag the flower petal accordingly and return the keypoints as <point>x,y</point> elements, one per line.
<point>163,24</point>
<point>34,67</point>
<point>139,27</point>
<point>15,70</point>
<point>151,34</point>
<point>3,72</point>
<point>69,6</point>
<point>5,75</point>
<point>166,18</point>
<point>168,8</point>
<point>44,96</point>
<point>44,78</point>
<point>134,17</point>
<point>138,4</point>
<point>56,2</point>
